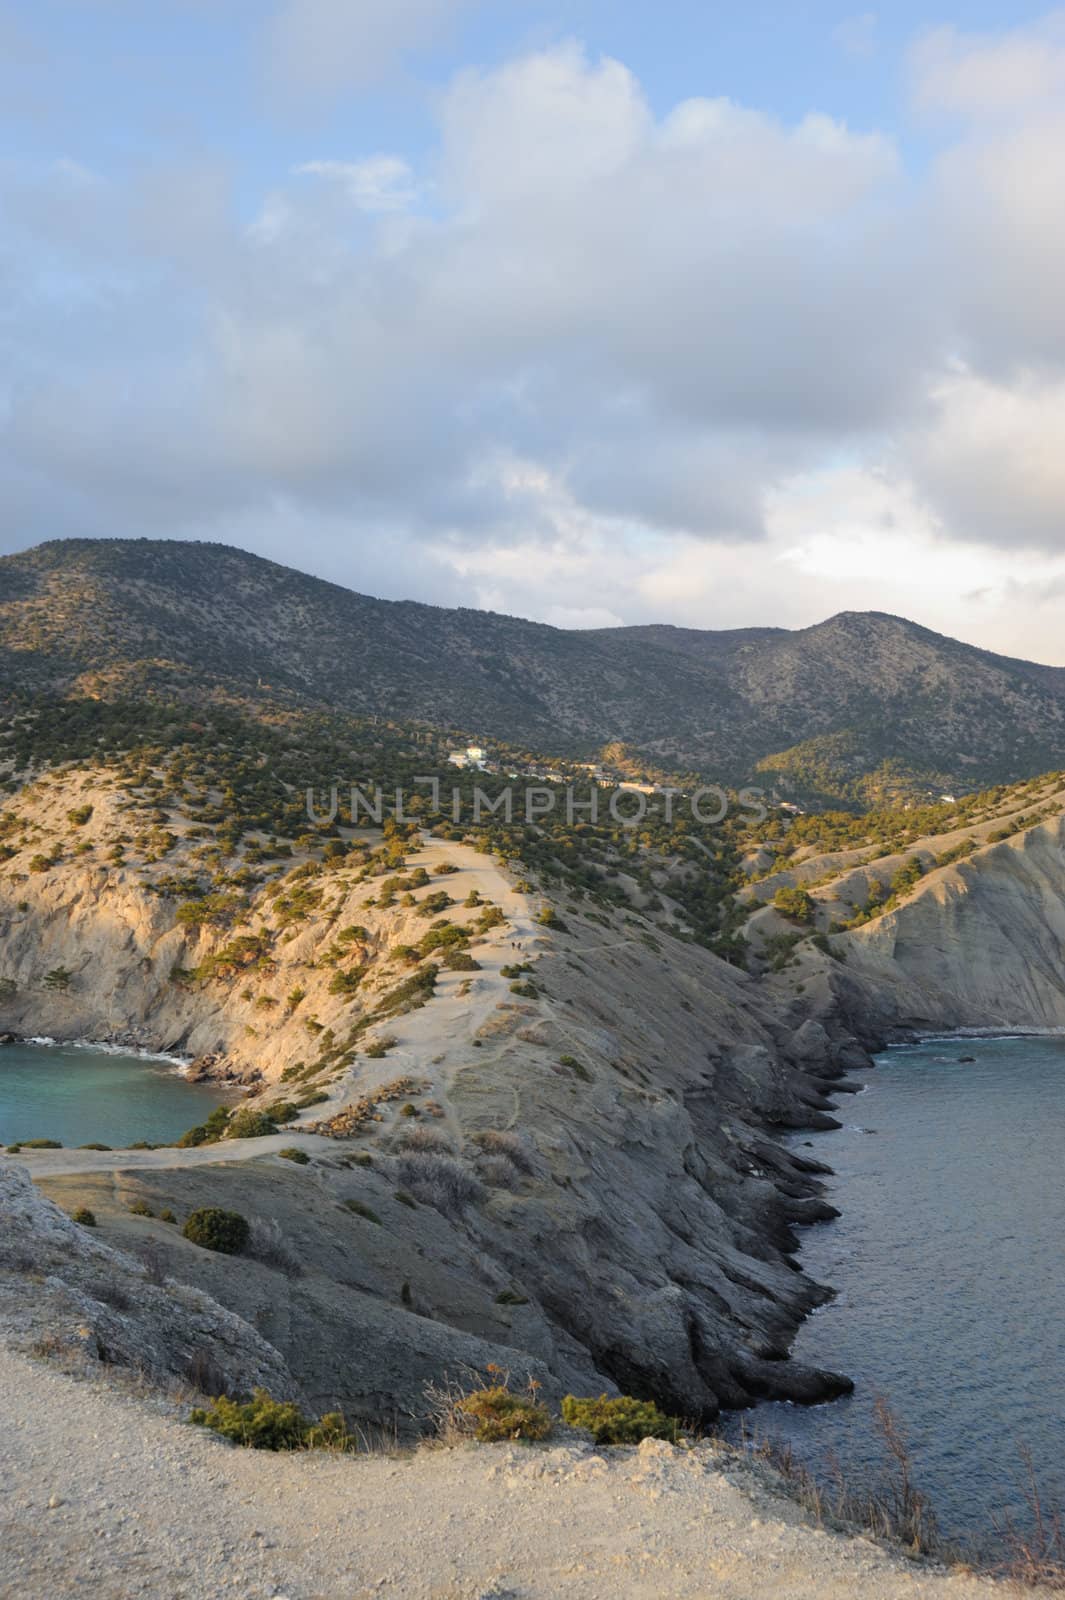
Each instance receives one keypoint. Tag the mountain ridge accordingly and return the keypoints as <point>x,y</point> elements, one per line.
<point>814,710</point>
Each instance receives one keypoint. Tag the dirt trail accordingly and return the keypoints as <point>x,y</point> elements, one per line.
<point>104,1495</point>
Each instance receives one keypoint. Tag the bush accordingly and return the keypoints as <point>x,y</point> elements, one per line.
<point>461,961</point>
<point>420,1138</point>
<point>208,1132</point>
<point>358,1209</point>
<point>267,1243</point>
<point>499,1415</point>
<point>83,1215</point>
<point>140,1208</point>
<point>281,1111</point>
<point>505,1144</point>
<point>58,979</point>
<point>226,1232</point>
<point>438,1180</point>
<point>794,903</point>
<point>620,1421</point>
<point>248,1123</point>
<point>263,1423</point>
<point>291,1153</point>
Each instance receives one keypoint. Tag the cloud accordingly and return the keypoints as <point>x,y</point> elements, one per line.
<point>582,358</point>
<point>976,75</point>
<point>991,459</point>
<point>318,48</point>
<point>856,36</point>
<point>379,183</point>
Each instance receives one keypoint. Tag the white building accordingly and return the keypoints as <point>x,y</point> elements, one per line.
<point>473,757</point>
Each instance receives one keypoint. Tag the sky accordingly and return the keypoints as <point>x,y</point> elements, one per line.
<point>590,311</point>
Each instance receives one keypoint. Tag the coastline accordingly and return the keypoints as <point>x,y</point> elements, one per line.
<point>105,1047</point>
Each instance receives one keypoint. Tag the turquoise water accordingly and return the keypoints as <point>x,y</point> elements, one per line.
<point>84,1096</point>
<point>949,1264</point>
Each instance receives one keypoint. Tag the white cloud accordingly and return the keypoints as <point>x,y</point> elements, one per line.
<point>977,75</point>
<point>379,183</point>
<point>701,365</point>
<point>320,47</point>
<point>992,458</point>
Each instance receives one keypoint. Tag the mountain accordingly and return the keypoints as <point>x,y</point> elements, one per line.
<point>860,705</point>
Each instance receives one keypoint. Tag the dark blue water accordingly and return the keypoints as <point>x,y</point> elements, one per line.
<point>82,1096</point>
<point>949,1260</point>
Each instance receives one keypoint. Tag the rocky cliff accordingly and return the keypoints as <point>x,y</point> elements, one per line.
<point>549,1129</point>
<point>570,1165</point>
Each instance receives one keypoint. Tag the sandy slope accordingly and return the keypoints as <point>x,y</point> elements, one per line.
<point>150,1507</point>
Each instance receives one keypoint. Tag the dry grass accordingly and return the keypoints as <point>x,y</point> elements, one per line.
<point>488,1413</point>
<point>896,1511</point>
<point>893,1509</point>
<point>1036,1557</point>
<point>502,1143</point>
<point>422,1138</point>
<point>438,1180</point>
<point>268,1244</point>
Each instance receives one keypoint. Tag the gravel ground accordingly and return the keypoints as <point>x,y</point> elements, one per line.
<point>106,1494</point>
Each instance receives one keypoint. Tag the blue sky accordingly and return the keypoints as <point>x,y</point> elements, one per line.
<point>592,311</point>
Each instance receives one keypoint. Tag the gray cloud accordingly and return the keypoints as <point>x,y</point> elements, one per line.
<point>576,328</point>
<point>320,47</point>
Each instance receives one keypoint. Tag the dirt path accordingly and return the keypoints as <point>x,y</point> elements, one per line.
<point>103,1495</point>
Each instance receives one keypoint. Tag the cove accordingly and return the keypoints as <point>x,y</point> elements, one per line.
<point>949,1267</point>
<point>83,1095</point>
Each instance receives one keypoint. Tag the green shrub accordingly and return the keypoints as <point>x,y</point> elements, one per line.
<point>94,1146</point>
<point>263,1423</point>
<point>461,961</point>
<point>281,1111</point>
<point>499,1415</point>
<point>140,1208</point>
<point>620,1421</point>
<point>346,983</point>
<point>38,1144</point>
<point>167,1216</point>
<point>248,1123</point>
<point>83,1215</point>
<point>208,1132</point>
<point>226,1232</point>
<point>80,815</point>
<point>794,903</point>
<point>58,979</point>
<point>360,1210</point>
<point>292,1153</point>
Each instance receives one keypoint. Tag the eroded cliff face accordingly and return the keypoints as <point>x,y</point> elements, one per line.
<point>580,1175</point>
<point>578,1180</point>
<point>979,944</point>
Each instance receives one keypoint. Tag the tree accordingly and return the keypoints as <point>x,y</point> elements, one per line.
<point>58,979</point>
<point>794,903</point>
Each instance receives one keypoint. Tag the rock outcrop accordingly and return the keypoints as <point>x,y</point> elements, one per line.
<point>68,1292</point>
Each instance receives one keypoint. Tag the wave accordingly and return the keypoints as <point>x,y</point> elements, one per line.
<point>108,1048</point>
